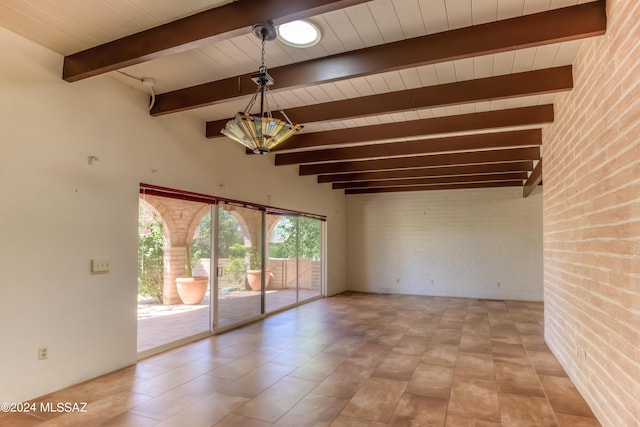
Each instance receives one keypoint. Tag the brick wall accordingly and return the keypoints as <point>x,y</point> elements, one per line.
<point>591,217</point>
<point>484,243</point>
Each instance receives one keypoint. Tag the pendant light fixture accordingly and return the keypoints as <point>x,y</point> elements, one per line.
<point>260,133</point>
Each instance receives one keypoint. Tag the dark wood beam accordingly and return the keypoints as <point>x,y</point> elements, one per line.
<point>515,183</point>
<point>492,168</point>
<point>554,26</point>
<point>469,158</point>
<point>432,180</point>
<point>533,180</point>
<point>482,141</point>
<point>524,116</point>
<point>220,23</point>
<point>549,80</point>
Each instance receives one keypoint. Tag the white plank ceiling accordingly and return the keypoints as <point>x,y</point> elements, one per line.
<point>69,26</point>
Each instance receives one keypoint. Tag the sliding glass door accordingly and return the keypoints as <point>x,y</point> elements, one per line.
<point>208,264</point>
<point>282,263</point>
<point>239,266</point>
<point>174,259</point>
<point>310,267</point>
<point>295,260</point>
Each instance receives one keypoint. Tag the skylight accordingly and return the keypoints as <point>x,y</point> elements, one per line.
<point>299,34</point>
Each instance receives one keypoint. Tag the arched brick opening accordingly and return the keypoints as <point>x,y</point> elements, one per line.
<point>180,217</point>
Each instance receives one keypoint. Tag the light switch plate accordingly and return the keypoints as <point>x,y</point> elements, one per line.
<point>100,265</point>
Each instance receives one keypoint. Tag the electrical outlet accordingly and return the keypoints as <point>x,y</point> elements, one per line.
<point>100,265</point>
<point>43,353</point>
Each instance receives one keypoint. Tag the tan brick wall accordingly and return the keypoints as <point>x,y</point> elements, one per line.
<point>591,218</point>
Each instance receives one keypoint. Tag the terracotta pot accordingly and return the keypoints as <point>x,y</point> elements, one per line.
<point>254,276</point>
<point>191,290</point>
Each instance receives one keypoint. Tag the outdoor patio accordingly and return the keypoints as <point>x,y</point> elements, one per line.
<point>160,324</point>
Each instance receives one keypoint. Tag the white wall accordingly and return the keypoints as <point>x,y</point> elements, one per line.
<point>60,210</point>
<point>451,243</point>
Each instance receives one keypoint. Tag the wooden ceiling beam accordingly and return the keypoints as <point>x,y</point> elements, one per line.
<point>220,23</point>
<point>457,186</point>
<point>548,80</point>
<point>481,141</point>
<point>432,180</point>
<point>534,179</point>
<point>554,26</point>
<point>492,168</point>
<point>524,116</point>
<point>468,158</point>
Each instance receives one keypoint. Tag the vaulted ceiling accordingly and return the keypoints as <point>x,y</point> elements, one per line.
<point>399,95</point>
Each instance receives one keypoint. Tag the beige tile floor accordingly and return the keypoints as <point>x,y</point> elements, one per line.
<point>349,360</point>
<point>162,325</point>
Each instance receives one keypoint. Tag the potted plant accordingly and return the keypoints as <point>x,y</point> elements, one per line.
<point>191,290</point>
<point>254,273</point>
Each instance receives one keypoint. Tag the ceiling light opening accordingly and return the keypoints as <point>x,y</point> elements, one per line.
<point>299,33</point>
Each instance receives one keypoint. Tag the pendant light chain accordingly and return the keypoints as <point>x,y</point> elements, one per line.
<point>261,133</point>
<point>263,82</point>
<point>263,68</point>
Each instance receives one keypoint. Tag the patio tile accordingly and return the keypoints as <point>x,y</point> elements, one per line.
<point>345,381</point>
<point>205,411</point>
<point>564,397</point>
<point>475,344</point>
<point>319,367</point>
<point>376,400</point>
<point>460,421</point>
<point>397,366</point>
<point>440,354</point>
<point>233,420</point>
<point>178,398</point>
<point>518,379</point>
<point>256,381</point>
<point>474,398</point>
<point>419,410</point>
<point>275,401</point>
<point>342,421</point>
<point>431,381</point>
<point>313,410</point>
<point>475,365</point>
<point>526,410</point>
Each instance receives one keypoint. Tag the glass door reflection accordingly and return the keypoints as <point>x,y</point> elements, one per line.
<point>239,260</point>
<point>282,263</point>
<point>309,258</point>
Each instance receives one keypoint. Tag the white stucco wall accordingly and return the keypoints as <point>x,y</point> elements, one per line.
<point>480,243</point>
<point>62,211</point>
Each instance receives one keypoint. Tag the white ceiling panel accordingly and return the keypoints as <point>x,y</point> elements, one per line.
<point>446,72</point>
<point>484,11</point>
<point>459,13</point>
<point>410,17</point>
<point>69,26</point>
<point>364,24</point>
<point>387,20</point>
<point>510,8</point>
<point>434,15</point>
<point>464,69</point>
<point>484,66</point>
